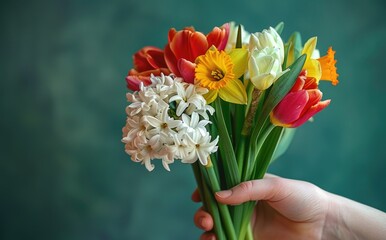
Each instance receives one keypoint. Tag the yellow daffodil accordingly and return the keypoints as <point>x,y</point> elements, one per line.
<point>320,68</point>
<point>219,72</point>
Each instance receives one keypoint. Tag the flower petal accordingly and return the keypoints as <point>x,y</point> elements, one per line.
<point>311,112</point>
<point>218,37</point>
<point>239,58</point>
<point>311,65</point>
<point>133,82</point>
<point>309,47</point>
<point>187,44</point>
<point>171,61</point>
<point>290,108</point>
<point>314,70</point>
<point>187,70</point>
<point>211,96</point>
<point>234,92</point>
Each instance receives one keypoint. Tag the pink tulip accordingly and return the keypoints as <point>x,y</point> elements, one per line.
<point>300,104</point>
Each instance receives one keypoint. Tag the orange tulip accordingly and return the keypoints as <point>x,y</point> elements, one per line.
<point>186,45</point>
<point>147,61</point>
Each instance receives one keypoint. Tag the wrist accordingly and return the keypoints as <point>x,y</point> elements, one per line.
<point>348,219</point>
<point>335,226</point>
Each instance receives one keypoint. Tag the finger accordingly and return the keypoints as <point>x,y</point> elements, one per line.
<point>270,188</point>
<point>208,236</point>
<point>203,220</point>
<point>196,196</point>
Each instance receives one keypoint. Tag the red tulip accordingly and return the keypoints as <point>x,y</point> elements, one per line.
<point>186,45</point>
<point>147,61</point>
<point>300,104</point>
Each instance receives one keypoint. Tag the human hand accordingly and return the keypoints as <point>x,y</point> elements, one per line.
<point>286,209</point>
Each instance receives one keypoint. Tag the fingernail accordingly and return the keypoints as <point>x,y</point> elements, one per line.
<point>224,194</point>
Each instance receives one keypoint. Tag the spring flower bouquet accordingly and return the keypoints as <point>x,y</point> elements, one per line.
<point>227,103</point>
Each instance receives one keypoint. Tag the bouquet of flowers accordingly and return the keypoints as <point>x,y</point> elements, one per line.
<point>227,103</point>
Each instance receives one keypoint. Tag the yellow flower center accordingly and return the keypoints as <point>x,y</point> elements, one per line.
<point>327,64</point>
<point>214,69</point>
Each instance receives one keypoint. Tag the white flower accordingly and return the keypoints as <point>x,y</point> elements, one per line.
<point>267,39</point>
<point>180,147</point>
<point>135,126</point>
<point>166,120</point>
<point>266,58</point>
<point>161,86</point>
<point>163,123</point>
<point>187,95</point>
<point>264,67</point>
<point>144,150</point>
<point>140,102</point>
<point>202,147</point>
<point>193,123</point>
<point>202,112</point>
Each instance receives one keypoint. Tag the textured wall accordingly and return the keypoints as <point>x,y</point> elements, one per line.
<point>64,174</point>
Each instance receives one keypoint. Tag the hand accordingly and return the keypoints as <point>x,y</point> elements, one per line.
<point>286,209</point>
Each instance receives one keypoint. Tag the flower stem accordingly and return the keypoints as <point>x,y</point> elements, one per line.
<point>249,235</point>
<point>256,93</point>
<point>208,201</point>
<point>223,209</point>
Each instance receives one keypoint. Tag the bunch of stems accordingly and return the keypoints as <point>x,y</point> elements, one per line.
<point>247,144</point>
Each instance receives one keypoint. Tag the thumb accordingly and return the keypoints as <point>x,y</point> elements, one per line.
<point>270,189</point>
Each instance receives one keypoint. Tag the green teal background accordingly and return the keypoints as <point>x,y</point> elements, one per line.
<point>64,173</point>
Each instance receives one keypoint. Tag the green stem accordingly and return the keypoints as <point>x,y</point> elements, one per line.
<point>199,181</point>
<point>247,215</point>
<point>223,209</point>
<point>215,213</point>
<point>209,203</point>
<point>249,235</point>
<point>240,153</point>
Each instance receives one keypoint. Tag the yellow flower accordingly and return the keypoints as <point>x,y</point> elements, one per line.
<point>219,72</point>
<point>320,68</point>
<point>311,65</point>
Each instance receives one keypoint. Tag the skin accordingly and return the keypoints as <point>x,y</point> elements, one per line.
<point>292,209</point>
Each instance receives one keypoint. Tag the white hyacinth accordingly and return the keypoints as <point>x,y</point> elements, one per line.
<point>167,121</point>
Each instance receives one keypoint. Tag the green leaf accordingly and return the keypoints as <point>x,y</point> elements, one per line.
<point>279,27</point>
<point>266,153</point>
<point>295,47</point>
<point>278,91</point>
<point>232,176</point>
<point>239,43</point>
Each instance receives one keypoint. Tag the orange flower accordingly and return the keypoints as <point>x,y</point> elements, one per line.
<point>186,45</point>
<point>322,68</point>
<point>327,64</point>
<point>147,61</point>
